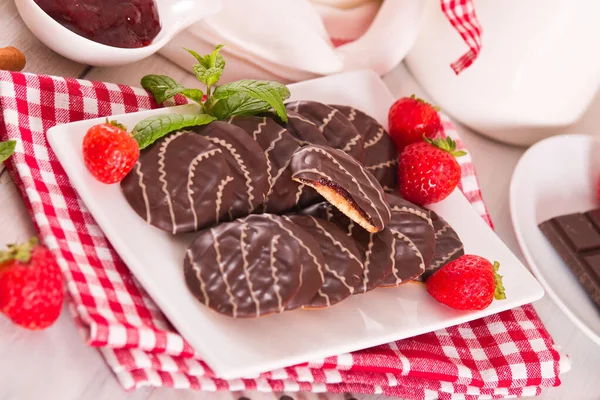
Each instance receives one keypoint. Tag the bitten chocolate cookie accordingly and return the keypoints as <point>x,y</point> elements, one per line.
<point>343,267</point>
<point>339,132</point>
<point>246,268</point>
<point>381,157</point>
<point>247,163</point>
<point>448,246</point>
<point>343,182</point>
<point>415,222</point>
<point>181,183</point>
<point>278,147</point>
<point>376,249</point>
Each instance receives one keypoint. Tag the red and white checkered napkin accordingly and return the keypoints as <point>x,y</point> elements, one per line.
<point>507,354</point>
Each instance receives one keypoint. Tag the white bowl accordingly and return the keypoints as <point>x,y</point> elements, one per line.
<point>556,176</point>
<point>175,15</point>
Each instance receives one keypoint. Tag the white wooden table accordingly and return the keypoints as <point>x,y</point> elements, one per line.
<point>55,364</point>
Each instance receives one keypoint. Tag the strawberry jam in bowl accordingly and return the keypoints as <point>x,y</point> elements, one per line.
<point>117,23</point>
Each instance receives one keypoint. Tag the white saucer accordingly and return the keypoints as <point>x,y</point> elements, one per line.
<point>554,177</point>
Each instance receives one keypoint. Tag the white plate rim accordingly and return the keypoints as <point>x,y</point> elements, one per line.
<point>521,237</point>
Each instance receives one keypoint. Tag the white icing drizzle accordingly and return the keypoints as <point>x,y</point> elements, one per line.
<point>276,177</point>
<point>240,162</point>
<point>389,163</point>
<point>388,189</point>
<point>411,245</point>
<point>259,128</point>
<point>224,274</point>
<point>350,228</point>
<point>220,190</point>
<point>351,143</point>
<point>376,139</point>
<point>300,117</point>
<point>445,258</point>
<point>267,152</point>
<point>245,265</point>
<point>414,211</point>
<point>163,174</point>
<point>441,231</point>
<point>196,268</point>
<point>370,178</point>
<point>140,174</point>
<point>230,120</point>
<point>393,257</point>
<point>344,170</point>
<point>342,248</point>
<point>352,114</point>
<point>190,181</point>
<point>299,193</point>
<point>328,119</point>
<point>367,262</point>
<point>275,273</point>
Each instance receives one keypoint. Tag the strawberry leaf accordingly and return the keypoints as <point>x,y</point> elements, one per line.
<point>7,149</point>
<point>448,145</point>
<point>18,252</point>
<point>499,292</point>
<point>151,129</point>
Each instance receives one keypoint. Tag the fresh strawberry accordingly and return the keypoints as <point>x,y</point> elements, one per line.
<point>31,285</point>
<point>428,171</point>
<point>468,283</point>
<point>411,118</point>
<point>109,152</point>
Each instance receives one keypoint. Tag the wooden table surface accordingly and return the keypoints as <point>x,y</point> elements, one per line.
<point>55,364</point>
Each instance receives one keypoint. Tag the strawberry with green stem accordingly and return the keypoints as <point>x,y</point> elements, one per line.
<point>31,285</point>
<point>428,171</point>
<point>468,283</point>
<point>410,119</point>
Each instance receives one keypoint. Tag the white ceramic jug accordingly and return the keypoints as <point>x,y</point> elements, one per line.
<point>538,70</point>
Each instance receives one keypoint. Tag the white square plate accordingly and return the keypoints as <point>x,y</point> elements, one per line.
<point>237,348</point>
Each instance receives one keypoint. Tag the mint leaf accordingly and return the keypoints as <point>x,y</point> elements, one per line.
<point>208,76</point>
<point>7,149</point>
<point>162,87</point>
<point>272,93</point>
<point>193,94</point>
<point>210,67</point>
<point>239,104</point>
<point>151,129</point>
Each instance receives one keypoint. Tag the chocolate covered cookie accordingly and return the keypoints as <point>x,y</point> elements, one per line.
<point>448,246</point>
<point>339,132</point>
<point>343,267</point>
<point>343,182</point>
<point>376,249</point>
<point>247,163</point>
<point>181,183</point>
<point>278,147</point>
<point>246,268</point>
<point>381,157</point>
<point>312,263</point>
<point>415,222</point>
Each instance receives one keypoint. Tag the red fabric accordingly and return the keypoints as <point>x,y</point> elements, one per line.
<point>461,15</point>
<point>510,353</point>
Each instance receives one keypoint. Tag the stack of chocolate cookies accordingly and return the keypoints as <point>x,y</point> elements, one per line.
<point>289,215</point>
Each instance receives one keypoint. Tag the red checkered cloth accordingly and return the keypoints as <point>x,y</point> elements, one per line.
<point>508,354</point>
<point>461,14</point>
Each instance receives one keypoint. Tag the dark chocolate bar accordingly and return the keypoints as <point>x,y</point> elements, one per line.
<point>576,238</point>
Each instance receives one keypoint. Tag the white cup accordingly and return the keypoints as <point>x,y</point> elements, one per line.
<point>538,70</point>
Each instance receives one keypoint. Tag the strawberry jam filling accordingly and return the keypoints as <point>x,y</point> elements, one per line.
<point>117,23</point>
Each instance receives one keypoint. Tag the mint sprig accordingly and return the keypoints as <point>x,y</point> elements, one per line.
<point>243,97</point>
<point>7,149</point>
